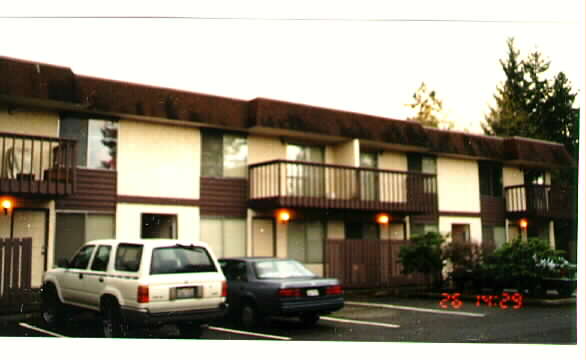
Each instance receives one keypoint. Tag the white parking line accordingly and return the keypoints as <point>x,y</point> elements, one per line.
<point>411,308</point>
<point>268,336</point>
<point>358,322</point>
<point>47,332</point>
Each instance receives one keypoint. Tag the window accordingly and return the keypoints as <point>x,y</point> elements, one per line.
<point>426,165</point>
<point>101,259</point>
<point>97,141</point>
<point>422,229</point>
<point>305,241</point>
<point>128,257</point>
<point>181,259</point>
<point>461,233</point>
<point>305,179</point>
<point>224,155</point>
<point>369,188</point>
<point>359,230</point>
<point>534,177</point>
<point>158,226</point>
<point>226,237</point>
<point>72,230</point>
<point>490,177</point>
<point>82,258</point>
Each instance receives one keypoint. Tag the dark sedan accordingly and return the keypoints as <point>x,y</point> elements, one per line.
<point>259,287</point>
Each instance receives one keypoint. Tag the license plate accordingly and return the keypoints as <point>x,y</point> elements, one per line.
<point>313,292</point>
<point>185,292</point>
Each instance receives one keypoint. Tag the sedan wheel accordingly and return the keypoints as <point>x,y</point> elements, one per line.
<point>309,319</point>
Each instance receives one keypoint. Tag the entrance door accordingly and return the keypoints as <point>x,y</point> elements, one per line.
<point>263,237</point>
<point>33,224</point>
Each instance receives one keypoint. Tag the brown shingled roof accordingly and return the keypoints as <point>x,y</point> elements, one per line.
<point>32,81</point>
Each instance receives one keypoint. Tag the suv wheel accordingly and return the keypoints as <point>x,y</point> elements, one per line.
<point>112,323</point>
<point>190,330</point>
<point>309,319</point>
<point>52,310</point>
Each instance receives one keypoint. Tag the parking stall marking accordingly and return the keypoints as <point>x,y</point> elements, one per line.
<point>411,308</point>
<point>359,322</point>
<point>240,332</point>
<point>43,331</point>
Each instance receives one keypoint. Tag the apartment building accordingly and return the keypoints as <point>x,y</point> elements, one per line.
<point>84,158</point>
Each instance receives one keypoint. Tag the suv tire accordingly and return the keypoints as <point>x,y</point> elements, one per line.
<point>52,310</point>
<point>249,316</point>
<point>112,323</point>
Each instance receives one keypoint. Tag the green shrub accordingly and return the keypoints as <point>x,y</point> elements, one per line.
<point>423,255</point>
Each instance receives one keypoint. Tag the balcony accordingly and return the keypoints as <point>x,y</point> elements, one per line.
<point>36,165</point>
<point>540,201</point>
<point>282,183</point>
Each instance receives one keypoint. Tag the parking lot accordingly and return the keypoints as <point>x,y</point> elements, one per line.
<point>375,320</point>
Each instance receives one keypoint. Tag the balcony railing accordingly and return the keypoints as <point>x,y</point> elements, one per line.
<point>283,183</point>
<point>36,165</point>
<point>541,201</point>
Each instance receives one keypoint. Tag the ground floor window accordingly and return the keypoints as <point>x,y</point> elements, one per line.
<point>493,237</point>
<point>72,230</point>
<point>154,226</point>
<point>361,230</point>
<point>227,237</point>
<point>422,229</point>
<point>305,241</point>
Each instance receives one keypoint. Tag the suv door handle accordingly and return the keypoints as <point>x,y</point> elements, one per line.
<point>101,279</point>
<point>81,276</point>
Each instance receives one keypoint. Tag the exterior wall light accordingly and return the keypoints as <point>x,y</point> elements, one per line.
<point>6,206</point>
<point>523,224</point>
<point>383,219</point>
<point>283,216</point>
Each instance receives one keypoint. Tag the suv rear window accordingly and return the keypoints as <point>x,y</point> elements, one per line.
<point>181,259</point>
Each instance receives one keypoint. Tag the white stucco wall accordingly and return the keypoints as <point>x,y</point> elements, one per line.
<point>512,176</point>
<point>347,154</point>
<point>158,161</point>
<point>29,122</point>
<point>458,186</point>
<point>128,220</point>
<point>392,161</point>
<point>335,230</point>
<point>262,148</point>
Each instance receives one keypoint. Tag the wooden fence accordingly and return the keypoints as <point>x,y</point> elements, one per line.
<point>367,263</point>
<point>15,269</point>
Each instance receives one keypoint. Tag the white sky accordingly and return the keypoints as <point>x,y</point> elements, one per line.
<point>370,67</point>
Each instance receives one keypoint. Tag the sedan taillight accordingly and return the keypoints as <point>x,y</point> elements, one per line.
<point>334,290</point>
<point>290,292</point>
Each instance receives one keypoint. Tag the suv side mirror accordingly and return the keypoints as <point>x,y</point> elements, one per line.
<point>63,263</point>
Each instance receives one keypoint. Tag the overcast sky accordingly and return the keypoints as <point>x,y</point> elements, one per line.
<point>366,58</point>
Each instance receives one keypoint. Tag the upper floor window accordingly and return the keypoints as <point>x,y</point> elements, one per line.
<point>224,155</point>
<point>490,177</point>
<point>421,163</point>
<point>97,141</point>
<point>534,177</point>
<point>309,153</point>
<point>369,160</point>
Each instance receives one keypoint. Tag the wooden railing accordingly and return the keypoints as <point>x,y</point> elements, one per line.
<point>36,165</point>
<point>304,184</point>
<point>540,200</point>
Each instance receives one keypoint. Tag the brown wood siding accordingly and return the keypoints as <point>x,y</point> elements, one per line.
<point>95,190</point>
<point>492,210</point>
<point>223,196</point>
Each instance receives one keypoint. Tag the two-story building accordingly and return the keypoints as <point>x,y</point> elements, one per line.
<point>84,158</point>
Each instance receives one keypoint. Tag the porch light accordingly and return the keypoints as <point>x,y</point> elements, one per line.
<point>283,216</point>
<point>523,224</point>
<point>383,219</point>
<point>6,205</point>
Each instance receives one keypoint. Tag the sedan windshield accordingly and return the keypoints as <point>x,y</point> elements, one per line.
<point>271,269</point>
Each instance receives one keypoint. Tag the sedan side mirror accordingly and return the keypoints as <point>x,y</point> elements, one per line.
<point>63,263</point>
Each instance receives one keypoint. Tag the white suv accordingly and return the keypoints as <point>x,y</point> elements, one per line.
<point>144,282</point>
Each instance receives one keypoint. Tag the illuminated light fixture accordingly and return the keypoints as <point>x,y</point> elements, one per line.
<point>284,216</point>
<point>383,219</point>
<point>523,224</point>
<point>6,205</point>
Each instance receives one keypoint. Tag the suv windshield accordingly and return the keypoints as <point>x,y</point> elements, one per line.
<point>270,269</point>
<point>181,259</point>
